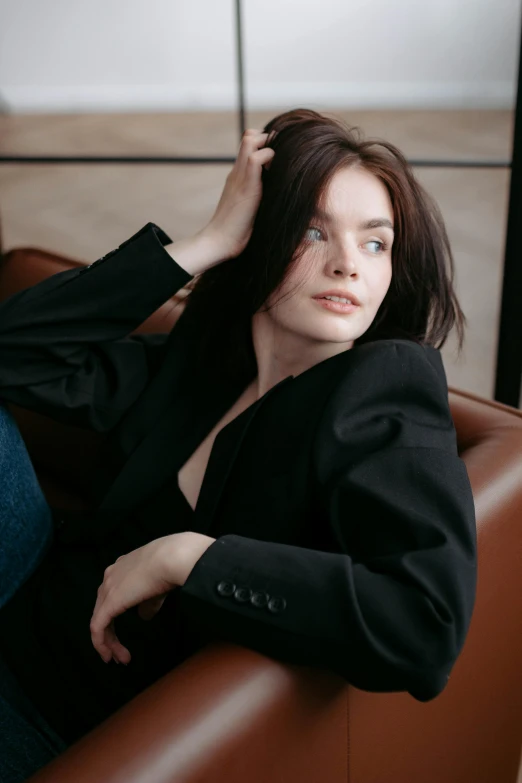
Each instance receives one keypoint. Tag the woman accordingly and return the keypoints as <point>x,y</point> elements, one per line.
<point>280,471</point>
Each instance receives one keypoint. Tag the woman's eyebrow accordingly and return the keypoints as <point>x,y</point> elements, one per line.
<point>373,223</point>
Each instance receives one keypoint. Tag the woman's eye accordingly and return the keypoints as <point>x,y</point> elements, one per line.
<point>381,245</point>
<point>312,229</point>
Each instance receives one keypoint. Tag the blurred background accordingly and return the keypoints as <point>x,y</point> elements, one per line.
<point>160,78</point>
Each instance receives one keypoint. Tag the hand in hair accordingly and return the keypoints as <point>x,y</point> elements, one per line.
<point>233,220</point>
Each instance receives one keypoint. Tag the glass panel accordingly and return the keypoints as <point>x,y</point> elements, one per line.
<point>85,211</point>
<point>202,133</point>
<point>474,207</point>
<point>101,78</point>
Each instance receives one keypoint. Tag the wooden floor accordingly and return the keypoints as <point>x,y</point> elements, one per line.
<point>85,210</point>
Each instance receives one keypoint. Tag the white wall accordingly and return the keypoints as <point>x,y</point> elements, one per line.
<point>110,55</point>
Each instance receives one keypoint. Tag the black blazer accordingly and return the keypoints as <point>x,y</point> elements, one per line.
<point>343,514</point>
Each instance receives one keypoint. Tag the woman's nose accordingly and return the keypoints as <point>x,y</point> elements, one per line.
<point>345,260</point>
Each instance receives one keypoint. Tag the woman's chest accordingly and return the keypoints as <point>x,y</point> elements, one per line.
<point>191,474</point>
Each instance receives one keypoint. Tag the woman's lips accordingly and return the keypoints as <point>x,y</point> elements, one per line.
<point>337,307</point>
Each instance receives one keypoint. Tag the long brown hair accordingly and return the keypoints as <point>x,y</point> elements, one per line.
<point>310,148</point>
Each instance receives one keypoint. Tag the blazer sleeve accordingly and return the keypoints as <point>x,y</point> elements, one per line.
<point>390,608</point>
<point>65,349</point>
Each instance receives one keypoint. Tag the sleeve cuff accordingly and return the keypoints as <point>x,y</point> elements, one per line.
<point>149,239</point>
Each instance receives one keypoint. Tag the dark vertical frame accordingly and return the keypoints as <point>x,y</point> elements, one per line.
<point>240,68</point>
<point>508,373</point>
<point>509,345</point>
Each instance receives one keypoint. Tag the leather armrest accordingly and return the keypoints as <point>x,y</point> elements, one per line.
<point>225,714</point>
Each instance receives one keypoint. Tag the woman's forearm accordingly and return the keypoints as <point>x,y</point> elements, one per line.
<point>198,253</point>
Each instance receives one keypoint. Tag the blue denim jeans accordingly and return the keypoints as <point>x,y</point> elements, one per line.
<point>27,743</point>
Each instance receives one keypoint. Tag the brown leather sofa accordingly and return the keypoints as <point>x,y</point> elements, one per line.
<point>231,715</point>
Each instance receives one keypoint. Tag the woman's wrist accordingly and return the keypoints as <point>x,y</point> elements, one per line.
<point>184,557</point>
<point>198,253</point>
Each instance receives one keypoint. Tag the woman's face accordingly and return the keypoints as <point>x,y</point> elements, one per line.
<point>342,254</point>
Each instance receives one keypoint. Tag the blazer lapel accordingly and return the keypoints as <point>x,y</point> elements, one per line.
<point>189,418</point>
<point>225,450</point>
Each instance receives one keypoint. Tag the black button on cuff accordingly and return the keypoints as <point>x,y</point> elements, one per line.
<point>276,604</point>
<point>243,594</point>
<point>259,599</point>
<point>225,588</point>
